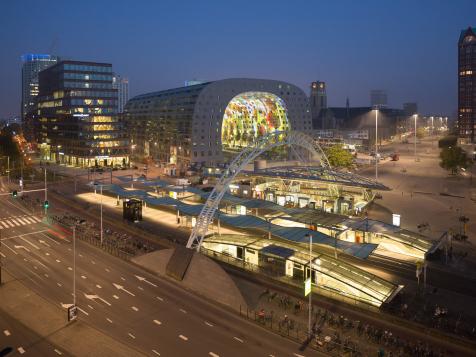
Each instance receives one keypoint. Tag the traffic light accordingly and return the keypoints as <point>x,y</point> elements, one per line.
<point>46,204</point>
<point>14,193</point>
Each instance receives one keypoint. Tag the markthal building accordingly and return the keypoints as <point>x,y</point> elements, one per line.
<point>206,123</point>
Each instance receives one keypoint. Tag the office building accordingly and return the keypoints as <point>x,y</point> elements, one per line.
<point>32,64</point>
<point>317,101</point>
<point>122,85</point>
<point>378,98</point>
<point>210,122</point>
<point>410,108</point>
<point>467,84</point>
<point>77,121</point>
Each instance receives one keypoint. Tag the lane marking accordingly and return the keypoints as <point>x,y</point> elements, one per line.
<point>83,277</point>
<point>157,322</point>
<point>7,333</point>
<point>4,224</point>
<point>58,261</point>
<point>208,324</point>
<point>109,320</point>
<point>92,308</point>
<point>297,355</point>
<point>115,297</point>
<point>21,350</point>
<point>155,352</point>
<point>107,270</point>
<point>84,312</point>
<point>135,308</point>
<point>123,279</point>
<point>98,286</point>
<point>182,310</point>
<point>5,244</point>
<point>47,253</point>
<point>185,338</point>
<point>238,339</point>
<point>131,336</point>
<point>59,285</point>
<point>46,275</point>
<point>9,223</point>
<point>69,268</point>
<point>140,288</point>
<point>158,297</point>
<point>3,255</point>
<point>58,352</point>
<point>36,219</point>
<point>213,354</point>
<point>15,222</point>
<point>30,243</point>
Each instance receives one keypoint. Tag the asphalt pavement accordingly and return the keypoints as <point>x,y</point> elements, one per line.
<point>146,312</point>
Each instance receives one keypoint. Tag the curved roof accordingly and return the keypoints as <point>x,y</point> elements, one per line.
<point>319,173</point>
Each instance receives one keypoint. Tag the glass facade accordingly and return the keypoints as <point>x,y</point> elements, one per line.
<point>251,115</point>
<point>467,84</point>
<point>78,126</point>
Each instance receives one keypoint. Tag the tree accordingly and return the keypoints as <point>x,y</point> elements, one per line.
<point>420,133</point>
<point>453,158</point>
<point>338,156</point>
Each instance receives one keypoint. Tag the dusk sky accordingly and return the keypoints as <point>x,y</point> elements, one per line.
<point>408,47</point>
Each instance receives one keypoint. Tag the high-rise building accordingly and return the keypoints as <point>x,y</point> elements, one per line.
<point>410,108</point>
<point>122,85</point>
<point>77,116</point>
<point>467,84</point>
<point>32,64</point>
<point>318,100</point>
<point>378,98</point>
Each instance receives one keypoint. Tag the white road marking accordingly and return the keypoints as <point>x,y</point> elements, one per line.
<point>3,255</point>
<point>92,308</point>
<point>36,219</point>
<point>131,335</point>
<point>43,242</point>
<point>157,322</point>
<point>94,296</point>
<point>51,239</point>
<point>107,270</point>
<point>135,308</point>
<point>21,350</point>
<point>141,278</point>
<point>15,222</point>
<point>5,245</point>
<point>123,279</point>
<point>155,352</point>
<point>21,247</point>
<point>158,297</point>
<point>9,223</point>
<point>140,288</point>
<point>208,324</point>
<point>109,320</point>
<point>23,221</point>
<point>59,284</point>
<point>30,243</point>
<point>120,287</point>
<point>182,310</point>
<point>46,276</point>
<point>115,297</point>
<point>213,354</point>
<point>69,268</point>
<point>185,338</point>
<point>297,355</point>
<point>35,267</point>
<point>47,253</point>
<point>4,224</point>
<point>84,312</point>
<point>238,339</point>
<point>98,286</point>
<point>93,262</point>
<point>7,333</point>
<point>58,261</point>
<point>58,352</point>
<point>83,277</point>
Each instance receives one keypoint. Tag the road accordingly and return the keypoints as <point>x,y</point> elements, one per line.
<point>148,313</point>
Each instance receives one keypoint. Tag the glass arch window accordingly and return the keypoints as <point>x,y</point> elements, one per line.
<point>251,115</point>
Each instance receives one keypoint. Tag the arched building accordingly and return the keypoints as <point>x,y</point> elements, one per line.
<point>203,123</point>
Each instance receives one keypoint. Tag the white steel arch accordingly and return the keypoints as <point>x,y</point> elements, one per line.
<point>247,155</point>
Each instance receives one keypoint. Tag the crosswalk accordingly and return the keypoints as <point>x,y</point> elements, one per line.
<point>17,221</point>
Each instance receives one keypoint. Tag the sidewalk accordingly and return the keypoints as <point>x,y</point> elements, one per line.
<point>50,322</point>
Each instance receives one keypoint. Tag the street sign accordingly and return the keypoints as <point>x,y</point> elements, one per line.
<point>307,286</point>
<point>396,219</point>
<point>72,312</point>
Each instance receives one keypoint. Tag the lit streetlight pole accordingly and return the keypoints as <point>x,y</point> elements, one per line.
<point>310,277</point>
<point>376,143</point>
<point>415,116</point>
<point>101,217</point>
<point>74,265</point>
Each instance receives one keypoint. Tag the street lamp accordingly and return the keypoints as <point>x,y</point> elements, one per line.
<point>310,277</point>
<point>376,144</point>
<point>415,116</point>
